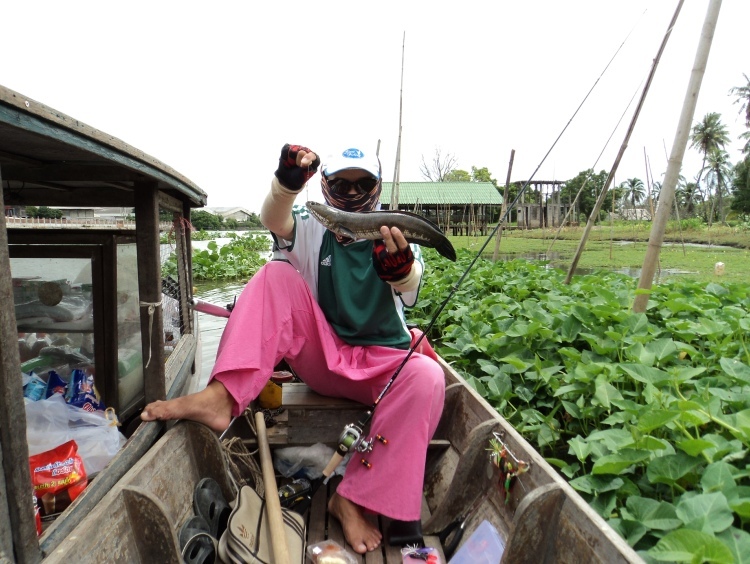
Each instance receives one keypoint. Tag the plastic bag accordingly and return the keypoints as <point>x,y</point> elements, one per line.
<point>52,422</point>
<point>306,462</point>
<point>329,552</point>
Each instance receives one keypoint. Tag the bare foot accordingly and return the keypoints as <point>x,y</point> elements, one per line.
<point>362,535</point>
<point>212,406</point>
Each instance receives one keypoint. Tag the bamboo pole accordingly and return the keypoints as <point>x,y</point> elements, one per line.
<point>397,171</point>
<point>504,207</point>
<point>598,206</point>
<point>675,160</point>
<point>273,505</point>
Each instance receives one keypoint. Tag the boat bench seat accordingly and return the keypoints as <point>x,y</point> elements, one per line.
<point>307,418</point>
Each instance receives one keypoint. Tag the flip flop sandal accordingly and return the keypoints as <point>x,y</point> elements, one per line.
<point>196,543</point>
<point>209,503</point>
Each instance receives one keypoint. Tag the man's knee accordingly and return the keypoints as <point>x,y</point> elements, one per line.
<point>429,373</point>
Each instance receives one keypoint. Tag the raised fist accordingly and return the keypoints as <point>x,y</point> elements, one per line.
<point>291,175</point>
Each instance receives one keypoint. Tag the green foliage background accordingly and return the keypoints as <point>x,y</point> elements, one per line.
<point>647,415</point>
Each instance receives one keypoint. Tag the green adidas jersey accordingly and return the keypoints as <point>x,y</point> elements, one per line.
<point>362,308</point>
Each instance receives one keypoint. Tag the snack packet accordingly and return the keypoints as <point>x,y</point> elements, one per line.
<point>58,477</point>
<point>35,389</point>
<point>55,384</point>
<point>82,393</point>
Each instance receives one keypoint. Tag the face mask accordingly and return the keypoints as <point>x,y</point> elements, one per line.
<point>336,193</point>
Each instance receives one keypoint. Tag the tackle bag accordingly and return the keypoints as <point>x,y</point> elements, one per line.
<point>247,537</point>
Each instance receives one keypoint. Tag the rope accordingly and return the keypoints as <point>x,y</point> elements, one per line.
<point>151,309</point>
<point>244,469</point>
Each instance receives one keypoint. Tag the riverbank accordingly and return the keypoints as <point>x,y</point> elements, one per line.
<point>687,253</point>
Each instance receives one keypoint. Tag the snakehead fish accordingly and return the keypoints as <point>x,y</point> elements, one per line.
<point>366,225</point>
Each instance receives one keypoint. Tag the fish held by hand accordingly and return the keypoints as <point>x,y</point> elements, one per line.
<point>366,225</point>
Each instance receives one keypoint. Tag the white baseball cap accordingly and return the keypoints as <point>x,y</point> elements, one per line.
<point>352,158</point>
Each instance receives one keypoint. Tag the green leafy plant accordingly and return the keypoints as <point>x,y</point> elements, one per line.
<point>239,259</point>
<point>646,414</point>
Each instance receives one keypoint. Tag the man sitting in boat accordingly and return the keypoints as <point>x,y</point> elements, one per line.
<point>333,309</point>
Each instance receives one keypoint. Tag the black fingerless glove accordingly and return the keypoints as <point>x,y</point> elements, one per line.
<point>290,175</point>
<point>391,267</point>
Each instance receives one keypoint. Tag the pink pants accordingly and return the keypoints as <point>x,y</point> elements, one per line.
<point>277,318</point>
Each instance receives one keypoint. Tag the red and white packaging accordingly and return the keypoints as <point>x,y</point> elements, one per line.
<point>58,477</point>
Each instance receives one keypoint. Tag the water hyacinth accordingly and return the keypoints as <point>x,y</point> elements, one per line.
<point>646,414</point>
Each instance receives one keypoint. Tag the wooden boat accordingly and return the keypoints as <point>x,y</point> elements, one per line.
<point>132,510</point>
<point>140,345</point>
<point>538,518</point>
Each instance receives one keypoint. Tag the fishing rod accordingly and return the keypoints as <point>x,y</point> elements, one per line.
<point>352,435</point>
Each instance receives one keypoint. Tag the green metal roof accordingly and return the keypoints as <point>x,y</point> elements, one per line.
<point>443,193</point>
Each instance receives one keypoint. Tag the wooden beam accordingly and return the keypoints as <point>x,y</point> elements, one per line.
<point>170,203</point>
<point>149,289</point>
<point>17,486</point>
<point>90,172</point>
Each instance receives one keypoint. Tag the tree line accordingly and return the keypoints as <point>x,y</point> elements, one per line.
<point>719,191</point>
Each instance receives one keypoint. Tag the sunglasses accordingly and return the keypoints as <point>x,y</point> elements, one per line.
<point>342,186</point>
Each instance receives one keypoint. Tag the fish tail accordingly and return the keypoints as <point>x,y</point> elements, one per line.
<point>445,248</point>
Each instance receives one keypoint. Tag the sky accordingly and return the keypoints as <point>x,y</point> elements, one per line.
<point>214,89</point>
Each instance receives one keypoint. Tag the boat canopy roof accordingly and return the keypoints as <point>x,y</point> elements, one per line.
<point>48,158</point>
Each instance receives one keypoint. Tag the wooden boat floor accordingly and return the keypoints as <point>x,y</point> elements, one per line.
<point>322,526</point>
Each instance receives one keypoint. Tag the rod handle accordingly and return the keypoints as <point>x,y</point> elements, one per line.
<point>211,309</point>
<point>335,459</point>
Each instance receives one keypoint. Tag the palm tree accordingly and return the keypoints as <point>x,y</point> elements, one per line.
<point>743,99</point>
<point>708,135</point>
<point>655,191</point>
<point>687,196</point>
<point>746,137</point>
<point>634,190</point>
<point>718,173</point>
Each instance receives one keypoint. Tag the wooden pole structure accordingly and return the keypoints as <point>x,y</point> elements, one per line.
<point>598,206</point>
<point>273,505</point>
<point>504,207</point>
<point>397,171</point>
<point>675,160</point>
<point>18,539</point>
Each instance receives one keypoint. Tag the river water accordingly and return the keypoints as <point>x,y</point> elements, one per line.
<point>210,326</point>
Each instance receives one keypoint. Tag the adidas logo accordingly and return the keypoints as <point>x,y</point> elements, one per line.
<point>326,261</point>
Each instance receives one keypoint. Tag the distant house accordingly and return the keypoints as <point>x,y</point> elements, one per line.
<point>458,207</point>
<point>78,213</point>
<point>239,214</point>
<point>113,214</point>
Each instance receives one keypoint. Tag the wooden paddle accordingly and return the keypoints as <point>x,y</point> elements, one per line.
<point>273,505</point>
